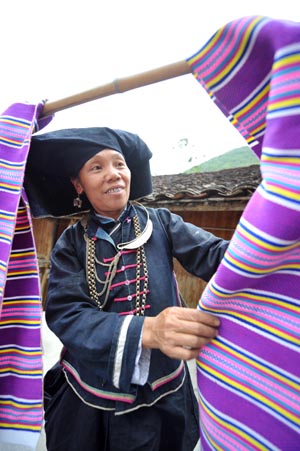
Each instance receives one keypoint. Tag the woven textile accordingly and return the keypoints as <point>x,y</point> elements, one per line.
<point>21,412</point>
<point>248,378</point>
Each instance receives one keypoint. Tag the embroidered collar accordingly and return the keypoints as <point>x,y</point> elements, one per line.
<point>96,222</point>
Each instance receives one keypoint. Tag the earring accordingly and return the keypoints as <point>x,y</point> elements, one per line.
<point>77,202</point>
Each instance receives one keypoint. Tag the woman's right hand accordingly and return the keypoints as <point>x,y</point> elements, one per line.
<point>179,332</point>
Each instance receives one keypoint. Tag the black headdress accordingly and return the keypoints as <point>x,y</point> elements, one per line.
<point>57,156</point>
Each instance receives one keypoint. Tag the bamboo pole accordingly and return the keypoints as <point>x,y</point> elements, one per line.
<point>118,86</point>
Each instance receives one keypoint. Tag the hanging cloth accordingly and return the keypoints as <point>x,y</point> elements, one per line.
<point>21,409</point>
<point>248,377</point>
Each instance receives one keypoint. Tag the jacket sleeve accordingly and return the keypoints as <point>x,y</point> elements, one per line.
<point>105,342</point>
<point>198,251</point>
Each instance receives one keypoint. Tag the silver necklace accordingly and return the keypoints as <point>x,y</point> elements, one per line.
<point>141,237</point>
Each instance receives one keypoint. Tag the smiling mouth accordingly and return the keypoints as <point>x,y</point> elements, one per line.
<point>114,190</point>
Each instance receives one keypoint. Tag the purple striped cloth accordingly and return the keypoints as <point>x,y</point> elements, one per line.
<point>248,377</point>
<point>21,409</point>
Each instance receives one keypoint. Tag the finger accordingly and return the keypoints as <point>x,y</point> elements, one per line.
<point>192,341</point>
<point>190,314</point>
<point>208,318</point>
<point>183,353</point>
<point>195,329</point>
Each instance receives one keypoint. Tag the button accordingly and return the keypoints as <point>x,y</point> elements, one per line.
<point>129,298</point>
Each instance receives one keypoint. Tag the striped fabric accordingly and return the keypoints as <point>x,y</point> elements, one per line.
<point>21,412</point>
<point>248,378</point>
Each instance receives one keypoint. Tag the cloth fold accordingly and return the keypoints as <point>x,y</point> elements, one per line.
<point>248,377</point>
<point>21,409</point>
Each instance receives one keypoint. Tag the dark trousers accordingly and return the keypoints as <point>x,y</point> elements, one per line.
<point>172,424</point>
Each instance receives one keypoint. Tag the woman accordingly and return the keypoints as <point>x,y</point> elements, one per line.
<point>113,301</point>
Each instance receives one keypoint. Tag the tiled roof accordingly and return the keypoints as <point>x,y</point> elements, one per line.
<point>228,183</point>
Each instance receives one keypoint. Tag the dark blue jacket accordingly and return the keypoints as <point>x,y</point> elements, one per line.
<point>92,339</point>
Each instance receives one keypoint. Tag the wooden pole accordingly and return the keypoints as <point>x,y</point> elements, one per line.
<point>118,86</point>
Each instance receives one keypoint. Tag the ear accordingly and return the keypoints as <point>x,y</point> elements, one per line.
<point>77,185</point>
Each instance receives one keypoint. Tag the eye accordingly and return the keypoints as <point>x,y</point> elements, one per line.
<point>95,167</point>
<point>121,164</point>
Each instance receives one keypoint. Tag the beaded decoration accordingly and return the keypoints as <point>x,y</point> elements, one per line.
<point>92,261</point>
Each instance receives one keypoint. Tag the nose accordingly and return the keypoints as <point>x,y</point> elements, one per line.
<point>112,173</point>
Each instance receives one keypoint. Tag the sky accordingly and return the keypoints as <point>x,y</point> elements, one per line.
<point>54,49</point>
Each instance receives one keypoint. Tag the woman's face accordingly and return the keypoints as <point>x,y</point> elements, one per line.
<point>105,179</point>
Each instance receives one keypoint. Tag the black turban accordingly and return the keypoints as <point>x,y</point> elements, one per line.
<point>57,156</point>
